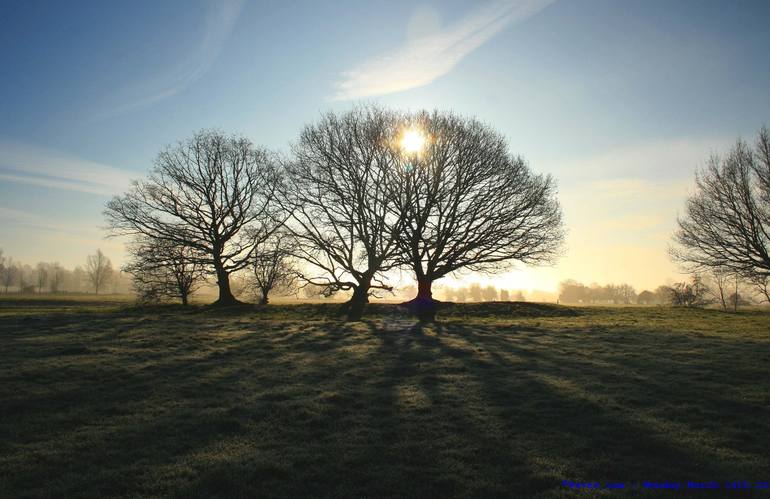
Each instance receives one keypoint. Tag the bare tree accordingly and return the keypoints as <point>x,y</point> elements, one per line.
<point>341,193</point>
<point>8,273</point>
<point>689,294</point>
<point>213,194</point>
<point>472,205</point>
<point>719,280</point>
<point>98,269</point>
<point>489,293</point>
<point>56,276</point>
<point>475,292</point>
<point>272,269</point>
<point>41,273</point>
<point>726,224</point>
<point>762,285</point>
<point>163,269</point>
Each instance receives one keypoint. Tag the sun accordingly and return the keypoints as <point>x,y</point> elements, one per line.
<point>413,141</point>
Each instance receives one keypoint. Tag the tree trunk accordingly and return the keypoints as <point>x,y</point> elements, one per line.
<point>355,306</point>
<point>225,294</point>
<point>424,291</point>
<point>184,298</point>
<point>263,300</point>
<point>423,305</point>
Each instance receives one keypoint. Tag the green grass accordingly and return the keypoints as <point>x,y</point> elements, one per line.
<point>103,399</point>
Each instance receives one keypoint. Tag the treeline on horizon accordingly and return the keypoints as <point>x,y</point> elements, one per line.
<point>95,276</point>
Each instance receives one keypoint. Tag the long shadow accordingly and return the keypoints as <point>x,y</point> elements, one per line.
<point>205,405</point>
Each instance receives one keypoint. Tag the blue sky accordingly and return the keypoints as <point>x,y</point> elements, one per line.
<point>619,100</point>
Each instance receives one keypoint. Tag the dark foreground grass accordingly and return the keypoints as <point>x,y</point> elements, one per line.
<point>292,402</point>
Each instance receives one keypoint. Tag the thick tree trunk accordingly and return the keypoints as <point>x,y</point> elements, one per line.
<point>424,291</point>
<point>226,296</point>
<point>263,300</point>
<point>355,306</point>
<point>423,305</point>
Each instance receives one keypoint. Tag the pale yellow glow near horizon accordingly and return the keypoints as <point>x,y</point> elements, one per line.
<point>412,141</point>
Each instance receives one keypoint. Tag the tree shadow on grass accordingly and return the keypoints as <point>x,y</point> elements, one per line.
<point>205,405</point>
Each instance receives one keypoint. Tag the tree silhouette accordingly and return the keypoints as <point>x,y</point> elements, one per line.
<point>470,204</point>
<point>340,190</point>
<point>214,194</point>
<point>98,270</point>
<point>726,225</point>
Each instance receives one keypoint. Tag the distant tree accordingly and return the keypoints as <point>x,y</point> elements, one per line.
<point>315,292</point>
<point>571,291</point>
<point>461,294</point>
<point>56,276</point>
<point>341,191</point>
<point>726,225</point>
<point>625,294</point>
<point>99,270</point>
<point>470,204</point>
<point>719,279</point>
<point>42,276</point>
<point>519,296</point>
<point>9,273</point>
<point>164,270</point>
<point>646,298</point>
<point>448,293</point>
<point>214,194</point>
<point>505,295</point>
<point>272,269</point>
<point>662,295</point>
<point>474,290</point>
<point>489,293</point>
<point>689,294</point>
<point>762,285</point>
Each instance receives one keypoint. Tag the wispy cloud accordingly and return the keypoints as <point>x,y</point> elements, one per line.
<point>34,165</point>
<point>426,58</point>
<point>219,23</point>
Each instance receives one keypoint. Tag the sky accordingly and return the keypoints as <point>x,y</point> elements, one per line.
<point>620,101</point>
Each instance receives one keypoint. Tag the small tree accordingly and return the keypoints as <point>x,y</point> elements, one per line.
<point>8,273</point>
<point>98,270</point>
<point>272,269</point>
<point>41,274</point>
<point>163,269</point>
<point>646,298</point>
<point>474,290</point>
<point>505,295</point>
<point>489,293</point>
<point>689,294</point>
<point>56,277</point>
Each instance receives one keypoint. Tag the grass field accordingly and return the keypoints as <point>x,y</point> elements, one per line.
<point>101,399</point>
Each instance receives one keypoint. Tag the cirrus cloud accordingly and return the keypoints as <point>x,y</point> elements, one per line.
<point>431,56</point>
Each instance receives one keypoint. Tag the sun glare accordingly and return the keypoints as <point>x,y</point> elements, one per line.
<point>413,141</point>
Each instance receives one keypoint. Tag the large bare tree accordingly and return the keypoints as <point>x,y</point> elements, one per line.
<point>726,225</point>
<point>98,269</point>
<point>212,193</point>
<point>471,205</point>
<point>341,190</point>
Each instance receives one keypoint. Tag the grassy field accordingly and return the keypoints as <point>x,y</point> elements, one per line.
<point>101,399</point>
